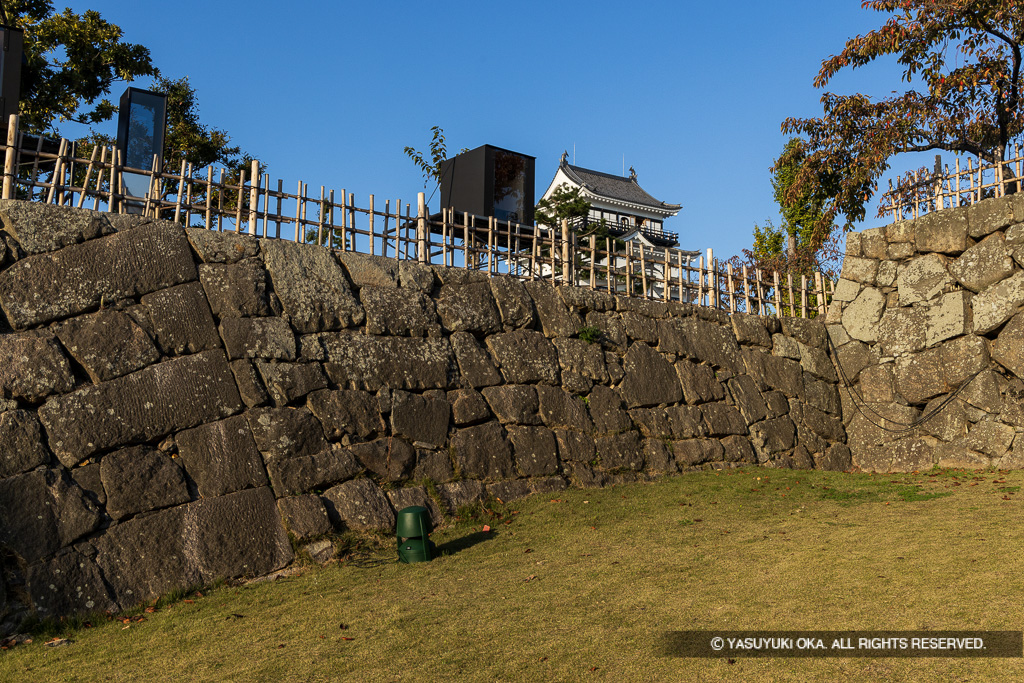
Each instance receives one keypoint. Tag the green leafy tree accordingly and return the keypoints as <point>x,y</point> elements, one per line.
<point>963,61</point>
<point>71,62</point>
<point>438,150</point>
<point>565,203</point>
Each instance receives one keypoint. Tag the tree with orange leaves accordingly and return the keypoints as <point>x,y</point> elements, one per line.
<point>962,60</point>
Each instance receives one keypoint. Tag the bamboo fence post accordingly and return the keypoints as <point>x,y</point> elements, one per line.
<point>209,197</point>
<point>239,199</point>
<point>9,165</point>
<point>792,296</point>
<point>629,268</point>
<point>35,164</point>
<point>593,258</point>
<point>490,245</point>
<point>608,264</point>
<point>746,289</point>
<point>266,204</point>
<point>778,295</point>
<point>354,232</point>
<point>398,223</point>
<point>700,281</point>
<point>371,228</point>
<point>298,213</point>
<point>99,178</point>
<point>998,179</point>
<point>220,201</point>
<point>85,183</point>
<point>643,270</point>
<point>970,176</point>
<point>447,226</point>
<point>181,190</point>
<point>803,296</point>
<point>344,220</point>
<point>384,230</point>
<point>149,194</point>
<point>730,287</point>
<point>57,168</point>
<point>819,292</point>
<point>716,274</point>
<point>421,227</point>
<point>188,195</point>
<point>320,218</point>
<point>115,177</point>
<point>683,292</point>
<point>254,196</point>
<point>956,192</point>
<point>279,207</point>
<point>304,203</point>
<point>465,240</point>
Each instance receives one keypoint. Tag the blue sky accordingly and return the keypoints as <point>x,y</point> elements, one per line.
<point>690,94</point>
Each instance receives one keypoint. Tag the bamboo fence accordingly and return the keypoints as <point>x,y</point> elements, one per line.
<point>945,188</point>
<point>248,202</point>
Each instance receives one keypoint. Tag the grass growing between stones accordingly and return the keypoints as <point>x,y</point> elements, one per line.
<point>581,585</point>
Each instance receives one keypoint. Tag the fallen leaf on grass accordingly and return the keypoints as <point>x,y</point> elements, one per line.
<point>347,638</point>
<point>190,602</point>
<point>486,528</point>
<point>530,578</point>
<point>58,642</point>
<point>150,609</point>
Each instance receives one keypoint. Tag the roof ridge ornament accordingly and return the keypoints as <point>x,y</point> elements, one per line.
<point>565,157</point>
<point>632,173</point>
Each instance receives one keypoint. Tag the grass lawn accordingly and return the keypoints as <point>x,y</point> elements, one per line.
<point>581,585</point>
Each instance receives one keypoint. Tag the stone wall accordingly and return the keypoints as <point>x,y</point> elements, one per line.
<point>925,307</point>
<point>176,403</point>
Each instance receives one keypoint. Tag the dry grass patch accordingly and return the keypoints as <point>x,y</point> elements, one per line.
<point>582,585</point>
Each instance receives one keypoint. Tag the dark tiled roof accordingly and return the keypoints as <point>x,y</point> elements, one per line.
<point>615,187</point>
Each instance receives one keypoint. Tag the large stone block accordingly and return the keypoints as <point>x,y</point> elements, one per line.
<point>21,443</point>
<point>78,278</point>
<point>748,399</point>
<point>805,330</point>
<point>695,452</point>
<point>723,420</point>
<point>905,330</point>
<point>368,270</point>
<point>270,338</point>
<point>32,367</point>
<point>68,583</point>
<point>221,457</point>
<point>556,320</point>
<point>42,511</point>
<point>304,516</point>
<point>514,403</point>
<point>621,451</point>
<point>574,446</point>
<point>285,432</point>
<point>998,303</point>
<point>861,316</point>
<point>358,361</point>
<point>942,231</point>
<point>468,406</point>
<point>817,362</point>
<point>698,382</point>
<point>236,290</point>
<point>984,264</point>
<point>416,276</point>
<point>513,301</point>
<point>948,424</point>
<point>460,494</point>
<point>435,466</point>
<point>837,458</point>
<point>774,372</point>
<point>990,215</point>
<point>525,356</point>
<point>750,329</point>
<point>312,287</point>
<point>534,450</point>
<point>771,437</point>
<point>418,496</point>
<point>347,412</point>
<point>292,476</point>
<point>654,423</point>
<point>239,534</point>
<point>288,382</point>
<point>182,320</point>
<point>583,358</point>
<point>250,385</point>
<point>42,227</point>
<point>468,308</point>
<point>704,341</point>
<point>923,278</point>
<point>877,384</point>
<point>359,505</point>
<point>649,378</point>
<point>420,418</point>
<point>474,362</point>
<point>482,452</point>
<point>107,344</point>
<point>140,479</point>
<point>952,317</point>
<point>390,458</point>
<point>142,406</point>
<point>222,247</point>
<point>606,411</point>
<point>687,422</point>
<point>639,327</point>
<point>862,270</point>
<point>399,312</point>
<point>1008,348</point>
<point>558,408</point>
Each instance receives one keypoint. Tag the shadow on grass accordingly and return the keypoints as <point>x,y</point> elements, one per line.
<point>458,544</point>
